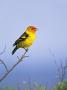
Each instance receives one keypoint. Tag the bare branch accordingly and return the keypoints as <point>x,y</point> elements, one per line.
<point>61,69</point>
<point>58,68</point>
<point>65,66</point>
<point>2,62</point>
<point>11,69</point>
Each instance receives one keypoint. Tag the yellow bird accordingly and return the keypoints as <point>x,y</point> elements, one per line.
<point>26,39</point>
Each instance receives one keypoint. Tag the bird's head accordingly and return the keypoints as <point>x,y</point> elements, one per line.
<point>31,29</point>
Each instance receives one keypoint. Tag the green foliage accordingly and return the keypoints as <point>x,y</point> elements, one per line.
<point>32,86</point>
<point>41,88</point>
<point>61,86</point>
<point>9,88</point>
<point>26,87</point>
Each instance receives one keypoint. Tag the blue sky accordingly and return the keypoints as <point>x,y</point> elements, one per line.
<point>49,16</point>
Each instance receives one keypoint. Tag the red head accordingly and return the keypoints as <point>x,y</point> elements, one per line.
<point>32,29</point>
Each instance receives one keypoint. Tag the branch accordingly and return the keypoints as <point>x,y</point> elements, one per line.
<point>58,68</point>
<point>65,67</point>
<point>2,62</point>
<point>61,69</point>
<point>11,69</point>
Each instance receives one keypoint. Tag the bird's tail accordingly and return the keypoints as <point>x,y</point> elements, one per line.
<point>14,50</point>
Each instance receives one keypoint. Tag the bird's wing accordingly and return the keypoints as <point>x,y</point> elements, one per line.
<point>23,37</point>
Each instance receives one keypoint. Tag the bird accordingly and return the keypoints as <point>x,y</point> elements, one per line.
<point>26,39</point>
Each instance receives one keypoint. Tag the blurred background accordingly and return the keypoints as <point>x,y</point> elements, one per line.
<point>50,17</point>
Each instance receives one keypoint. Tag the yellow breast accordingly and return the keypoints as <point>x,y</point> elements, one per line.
<point>28,42</point>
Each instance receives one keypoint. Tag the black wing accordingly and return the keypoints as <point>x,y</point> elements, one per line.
<point>22,38</point>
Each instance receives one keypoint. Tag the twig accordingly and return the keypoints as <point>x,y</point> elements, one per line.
<point>65,67</point>
<point>62,69</point>
<point>58,68</point>
<point>11,69</point>
<point>2,62</point>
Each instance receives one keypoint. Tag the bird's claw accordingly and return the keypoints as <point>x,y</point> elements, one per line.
<point>26,49</point>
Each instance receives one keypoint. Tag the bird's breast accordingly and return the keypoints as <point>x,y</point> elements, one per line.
<point>28,42</point>
<point>30,39</point>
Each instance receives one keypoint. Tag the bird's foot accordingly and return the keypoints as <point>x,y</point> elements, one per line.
<point>26,49</point>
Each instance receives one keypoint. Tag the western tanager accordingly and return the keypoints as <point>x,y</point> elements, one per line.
<point>26,39</point>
